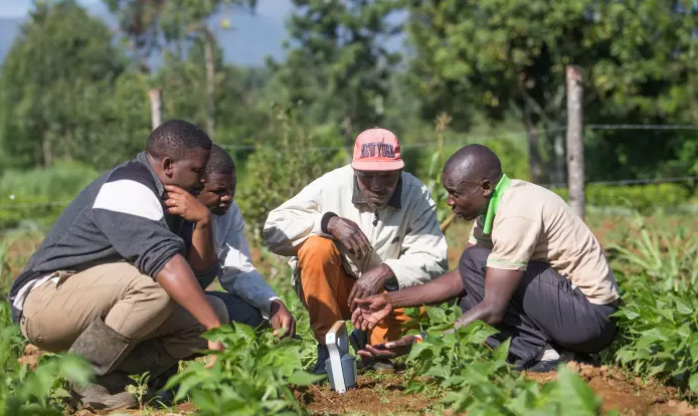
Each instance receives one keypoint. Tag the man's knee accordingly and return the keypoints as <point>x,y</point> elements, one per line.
<point>318,252</point>
<point>220,308</point>
<point>473,263</point>
<point>474,256</point>
<point>472,268</point>
<point>238,310</point>
<point>159,301</point>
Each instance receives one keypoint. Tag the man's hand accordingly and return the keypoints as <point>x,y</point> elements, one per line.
<point>371,311</point>
<point>182,203</point>
<point>214,346</point>
<point>281,320</point>
<point>370,283</point>
<point>350,235</point>
<point>388,350</point>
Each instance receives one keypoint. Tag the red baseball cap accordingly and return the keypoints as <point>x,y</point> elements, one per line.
<point>377,149</point>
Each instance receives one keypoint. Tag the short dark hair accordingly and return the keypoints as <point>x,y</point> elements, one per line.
<point>475,162</point>
<point>174,138</point>
<point>220,162</point>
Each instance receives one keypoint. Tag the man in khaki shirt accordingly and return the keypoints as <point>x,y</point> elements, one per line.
<point>532,269</point>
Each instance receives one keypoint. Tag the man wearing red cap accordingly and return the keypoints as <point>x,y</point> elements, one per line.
<point>357,231</point>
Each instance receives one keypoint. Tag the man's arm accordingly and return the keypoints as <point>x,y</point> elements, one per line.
<point>239,276</point>
<point>500,285</point>
<point>202,255</point>
<point>499,288</point>
<point>438,290</point>
<point>179,282</point>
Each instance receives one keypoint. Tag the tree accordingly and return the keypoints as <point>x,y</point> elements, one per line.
<point>59,73</point>
<point>509,57</point>
<point>338,64</point>
<point>177,22</point>
<point>138,21</point>
<point>236,89</point>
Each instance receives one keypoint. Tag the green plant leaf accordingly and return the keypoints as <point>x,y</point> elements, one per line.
<point>693,382</point>
<point>302,378</point>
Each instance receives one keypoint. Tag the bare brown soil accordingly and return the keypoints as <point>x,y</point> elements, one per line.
<point>626,395</point>
<point>369,397</point>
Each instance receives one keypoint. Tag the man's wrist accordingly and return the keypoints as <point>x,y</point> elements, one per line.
<point>388,274</point>
<point>212,324</point>
<point>204,222</point>
<point>275,304</point>
<point>390,299</point>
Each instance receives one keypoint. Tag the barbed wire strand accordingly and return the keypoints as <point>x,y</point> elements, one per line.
<point>547,185</point>
<point>484,138</point>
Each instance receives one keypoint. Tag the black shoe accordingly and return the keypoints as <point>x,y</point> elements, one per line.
<point>156,396</point>
<point>544,366</point>
<point>322,354</point>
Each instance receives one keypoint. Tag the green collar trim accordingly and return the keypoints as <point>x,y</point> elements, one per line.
<point>502,186</point>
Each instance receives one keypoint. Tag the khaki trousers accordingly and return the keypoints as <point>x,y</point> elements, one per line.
<point>132,304</point>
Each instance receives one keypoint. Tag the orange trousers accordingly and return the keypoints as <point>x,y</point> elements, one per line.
<point>325,288</point>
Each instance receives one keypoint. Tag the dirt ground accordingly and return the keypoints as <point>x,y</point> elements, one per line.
<point>628,396</point>
<point>384,395</point>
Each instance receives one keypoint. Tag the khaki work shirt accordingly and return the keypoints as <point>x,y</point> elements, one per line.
<point>530,223</point>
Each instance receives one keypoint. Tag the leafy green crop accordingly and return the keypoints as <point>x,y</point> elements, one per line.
<point>478,379</point>
<point>658,324</point>
<point>38,392</point>
<point>251,377</point>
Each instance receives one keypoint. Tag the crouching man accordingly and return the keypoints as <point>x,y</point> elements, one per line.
<point>357,231</point>
<point>532,269</point>
<point>219,248</point>
<point>111,282</point>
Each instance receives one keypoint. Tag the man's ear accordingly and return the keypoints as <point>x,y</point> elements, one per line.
<point>487,188</point>
<point>167,165</point>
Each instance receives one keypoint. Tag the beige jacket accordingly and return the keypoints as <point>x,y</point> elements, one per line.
<point>404,234</point>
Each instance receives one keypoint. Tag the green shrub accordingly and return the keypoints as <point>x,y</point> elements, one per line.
<point>658,329</point>
<point>40,195</point>
<point>277,172</point>
<point>643,198</point>
<point>61,182</point>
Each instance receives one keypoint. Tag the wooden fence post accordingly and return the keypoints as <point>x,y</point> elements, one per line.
<point>155,96</point>
<point>575,140</point>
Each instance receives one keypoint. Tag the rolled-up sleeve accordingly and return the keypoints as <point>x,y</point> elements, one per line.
<point>237,273</point>
<point>424,253</point>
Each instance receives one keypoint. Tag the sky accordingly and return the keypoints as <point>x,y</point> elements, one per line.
<point>255,36</point>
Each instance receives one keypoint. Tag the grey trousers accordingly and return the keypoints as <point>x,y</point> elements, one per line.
<point>545,308</point>
<point>239,310</point>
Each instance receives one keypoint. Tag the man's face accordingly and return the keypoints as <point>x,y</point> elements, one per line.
<point>218,193</point>
<point>377,186</point>
<point>467,199</point>
<point>189,171</point>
